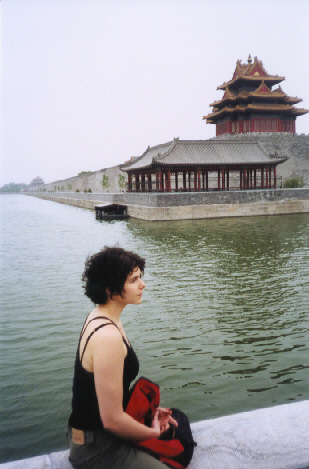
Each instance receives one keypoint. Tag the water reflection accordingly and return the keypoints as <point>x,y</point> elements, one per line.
<point>237,291</point>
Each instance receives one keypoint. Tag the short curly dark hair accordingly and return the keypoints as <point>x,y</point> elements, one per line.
<point>108,270</point>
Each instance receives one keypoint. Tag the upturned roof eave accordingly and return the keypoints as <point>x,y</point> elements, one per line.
<point>274,79</point>
<point>145,152</point>
<point>247,109</point>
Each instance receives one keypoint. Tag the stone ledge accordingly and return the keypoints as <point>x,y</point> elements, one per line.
<point>272,438</point>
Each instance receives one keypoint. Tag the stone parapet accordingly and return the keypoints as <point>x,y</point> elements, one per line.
<point>273,438</point>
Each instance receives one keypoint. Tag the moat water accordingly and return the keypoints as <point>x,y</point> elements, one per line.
<point>223,326</point>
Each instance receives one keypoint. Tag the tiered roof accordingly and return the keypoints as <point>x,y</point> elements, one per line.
<point>250,90</point>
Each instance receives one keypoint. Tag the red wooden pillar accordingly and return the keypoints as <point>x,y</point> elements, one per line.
<point>223,179</point>
<point>184,180</point>
<point>199,180</point>
<point>251,180</point>
<point>206,180</point>
<point>254,179</point>
<point>269,183</point>
<point>245,179</point>
<point>195,181</point>
<point>228,179</point>
<point>279,125</point>
<point>240,178</point>
<point>262,178</point>
<point>162,187</point>
<point>129,182</point>
<point>219,185</point>
<point>176,181</point>
<point>275,177</point>
<point>189,180</point>
<point>168,181</point>
<point>157,180</point>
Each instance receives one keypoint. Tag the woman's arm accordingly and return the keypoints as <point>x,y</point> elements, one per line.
<point>108,358</point>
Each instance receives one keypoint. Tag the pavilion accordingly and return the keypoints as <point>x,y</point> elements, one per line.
<point>203,165</point>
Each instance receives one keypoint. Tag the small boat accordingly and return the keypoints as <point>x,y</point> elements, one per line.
<point>111,212</point>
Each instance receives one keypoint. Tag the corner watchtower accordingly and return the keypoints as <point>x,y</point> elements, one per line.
<point>250,104</point>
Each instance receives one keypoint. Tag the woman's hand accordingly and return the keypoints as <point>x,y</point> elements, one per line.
<point>163,419</point>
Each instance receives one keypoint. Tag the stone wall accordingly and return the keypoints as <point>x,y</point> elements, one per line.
<point>93,180</point>
<point>295,147</point>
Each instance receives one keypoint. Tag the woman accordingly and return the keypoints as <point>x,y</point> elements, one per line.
<point>100,433</point>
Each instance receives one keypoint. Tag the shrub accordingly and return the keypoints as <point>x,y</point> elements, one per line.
<point>294,182</point>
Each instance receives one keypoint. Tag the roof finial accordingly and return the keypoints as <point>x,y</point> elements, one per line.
<point>249,59</point>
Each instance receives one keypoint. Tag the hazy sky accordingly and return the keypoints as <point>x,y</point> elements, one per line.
<point>88,83</point>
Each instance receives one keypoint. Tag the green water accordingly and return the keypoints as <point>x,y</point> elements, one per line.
<point>223,327</point>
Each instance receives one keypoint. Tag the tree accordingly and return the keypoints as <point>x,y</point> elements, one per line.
<point>13,187</point>
<point>121,181</point>
<point>105,182</point>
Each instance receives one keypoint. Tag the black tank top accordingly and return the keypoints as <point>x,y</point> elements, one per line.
<point>85,408</point>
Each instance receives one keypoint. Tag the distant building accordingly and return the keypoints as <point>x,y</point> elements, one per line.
<point>37,181</point>
<point>249,103</point>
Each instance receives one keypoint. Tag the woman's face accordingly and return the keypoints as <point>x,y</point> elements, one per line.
<point>133,287</point>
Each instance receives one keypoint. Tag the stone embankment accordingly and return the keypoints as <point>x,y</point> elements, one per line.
<point>194,205</point>
<point>273,438</point>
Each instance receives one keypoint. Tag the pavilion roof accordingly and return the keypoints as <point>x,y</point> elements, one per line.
<point>285,108</point>
<point>204,152</point>
<point>262,91</point>
<point>251,72</point>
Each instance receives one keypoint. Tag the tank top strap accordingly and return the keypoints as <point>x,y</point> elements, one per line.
<point>95,330</point>
<point>93,319</point>
<point>91,334</point>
